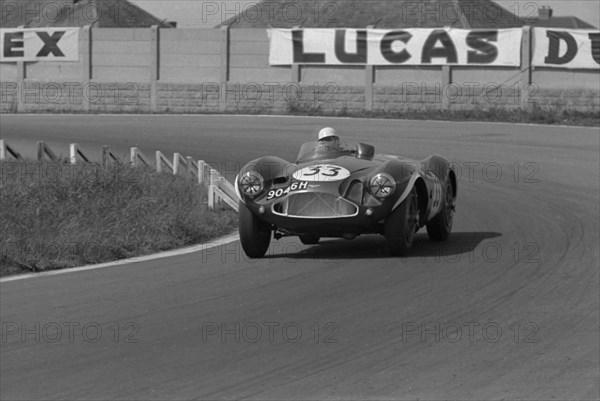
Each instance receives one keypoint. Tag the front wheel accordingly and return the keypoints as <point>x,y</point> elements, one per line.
<point>402,225</point>
<point>255,234</point>
<point>440,226</point>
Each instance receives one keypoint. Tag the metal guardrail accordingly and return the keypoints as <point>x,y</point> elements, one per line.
<point>219,189</point>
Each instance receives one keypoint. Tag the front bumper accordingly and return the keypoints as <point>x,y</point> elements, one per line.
<point>321,213</point>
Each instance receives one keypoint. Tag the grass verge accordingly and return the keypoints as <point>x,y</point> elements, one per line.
<point>55,215</point>
<point>534,115</point>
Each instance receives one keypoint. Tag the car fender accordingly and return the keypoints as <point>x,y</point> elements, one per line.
<point>409,186</point>
<point>269,167</point>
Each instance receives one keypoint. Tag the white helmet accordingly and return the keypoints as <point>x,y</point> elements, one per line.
<point>327,132</point>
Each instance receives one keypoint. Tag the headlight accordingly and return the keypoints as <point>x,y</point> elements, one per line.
<point>382,185</point>
<point>251,183</point>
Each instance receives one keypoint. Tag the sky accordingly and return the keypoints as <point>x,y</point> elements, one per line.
<point>208,13</point>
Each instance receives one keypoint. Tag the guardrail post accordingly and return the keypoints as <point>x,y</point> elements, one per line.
<point>73,153</point>
<point>42,149</point>
<point>201,165</point>
<point>135,154</point>
<point>190,167</point>
<point>6,149</point>
<point>105,155</point>
<point>211,190</point>
<point>176,163</point>
<point>158,162</point>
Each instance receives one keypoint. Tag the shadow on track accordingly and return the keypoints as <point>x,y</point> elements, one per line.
<point>373,246</point>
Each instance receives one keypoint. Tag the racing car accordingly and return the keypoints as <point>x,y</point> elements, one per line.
<point>344,191</point>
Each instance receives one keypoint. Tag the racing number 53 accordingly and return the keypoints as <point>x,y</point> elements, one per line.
<point>330,171</point>
<point>321,173</point>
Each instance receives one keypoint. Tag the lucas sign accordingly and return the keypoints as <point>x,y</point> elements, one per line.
<point>39,44</point>
<point>443,46</point>
<point>562,48</point>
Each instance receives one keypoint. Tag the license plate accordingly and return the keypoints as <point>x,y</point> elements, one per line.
<point>281,192</point>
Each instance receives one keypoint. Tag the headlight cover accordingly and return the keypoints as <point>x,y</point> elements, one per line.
<point>251,183</point>
<point>382,185</point>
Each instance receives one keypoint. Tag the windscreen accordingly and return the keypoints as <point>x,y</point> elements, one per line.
<point>324,150</point>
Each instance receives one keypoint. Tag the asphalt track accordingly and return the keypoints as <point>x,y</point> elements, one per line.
<point>508,308</point>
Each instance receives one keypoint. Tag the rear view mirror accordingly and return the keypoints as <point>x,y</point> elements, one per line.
<point>364,151</point>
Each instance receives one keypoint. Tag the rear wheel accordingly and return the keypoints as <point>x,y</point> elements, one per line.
<point>309,239</point>
<point>440,226</point>
<point>402,224</point>
<point>255,234</point>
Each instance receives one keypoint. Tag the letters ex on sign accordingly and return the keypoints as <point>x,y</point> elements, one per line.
<point>39,44</point>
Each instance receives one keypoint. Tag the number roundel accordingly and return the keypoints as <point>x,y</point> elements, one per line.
<point>322,173</point>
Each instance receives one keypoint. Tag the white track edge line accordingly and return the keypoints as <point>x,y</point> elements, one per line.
<point>130,261</point>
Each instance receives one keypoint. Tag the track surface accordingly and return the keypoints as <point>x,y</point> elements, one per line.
<point>507,309</point>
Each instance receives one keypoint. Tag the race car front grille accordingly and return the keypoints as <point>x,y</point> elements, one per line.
<point>315,205</point>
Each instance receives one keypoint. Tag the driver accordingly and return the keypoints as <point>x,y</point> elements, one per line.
<point>328,137</point>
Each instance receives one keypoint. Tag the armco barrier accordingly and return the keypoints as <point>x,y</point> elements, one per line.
<point>219,189</point>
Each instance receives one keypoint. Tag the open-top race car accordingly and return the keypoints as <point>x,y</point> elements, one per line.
<point>344,191</point>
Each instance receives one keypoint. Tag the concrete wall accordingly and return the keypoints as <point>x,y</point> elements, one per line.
<point>121,55</point>
<point>221,70</point>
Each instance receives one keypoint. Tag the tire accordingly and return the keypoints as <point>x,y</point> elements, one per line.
<point>440,227</point>
<point>402,225</point>
<point>255,234</point>
<point>309,239</point>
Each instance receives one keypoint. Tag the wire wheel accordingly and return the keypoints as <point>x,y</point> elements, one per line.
<point>402,225</point>
<point>440,227</point>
